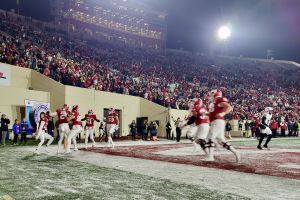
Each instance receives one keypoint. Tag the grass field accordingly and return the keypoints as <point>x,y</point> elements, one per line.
<point>26,176</point>
<point>279,142</point>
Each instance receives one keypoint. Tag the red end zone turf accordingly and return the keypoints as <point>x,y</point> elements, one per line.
<point>272,163</point>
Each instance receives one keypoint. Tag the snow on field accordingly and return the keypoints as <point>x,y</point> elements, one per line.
<point>249,185</point>
<point>26,176</point>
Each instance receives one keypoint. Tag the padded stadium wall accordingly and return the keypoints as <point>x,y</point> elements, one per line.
<point>13,97</point>
<point>31,85</point>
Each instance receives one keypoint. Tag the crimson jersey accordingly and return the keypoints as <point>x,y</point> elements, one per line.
<point>45,120</point>
<point>90,119</point>
<point>62,116</point>
<point>112,118</point>
<point>215,109</point>
<point>201,117</point>
<point>76,120</point>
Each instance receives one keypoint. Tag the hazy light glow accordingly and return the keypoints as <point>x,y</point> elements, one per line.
<point>224,32</point>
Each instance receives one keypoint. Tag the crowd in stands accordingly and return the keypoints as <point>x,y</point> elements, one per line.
<point>168,78</point>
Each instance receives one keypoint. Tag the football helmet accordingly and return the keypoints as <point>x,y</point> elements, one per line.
<point>215,93</point>
<point>75,108</point>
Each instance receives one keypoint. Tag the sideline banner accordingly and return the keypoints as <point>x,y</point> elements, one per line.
<point>5,74</point>
<point>33,110</point>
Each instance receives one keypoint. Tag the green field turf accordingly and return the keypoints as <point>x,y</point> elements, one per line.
<point>26,176</point>
<point>278,142</point>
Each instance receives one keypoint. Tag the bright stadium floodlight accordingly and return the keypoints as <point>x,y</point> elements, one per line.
<point>224,32</point>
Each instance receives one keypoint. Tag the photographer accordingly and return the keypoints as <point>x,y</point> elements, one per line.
<point>4,127</point>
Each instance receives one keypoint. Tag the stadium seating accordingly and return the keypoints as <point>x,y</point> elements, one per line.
<point>169,79</point>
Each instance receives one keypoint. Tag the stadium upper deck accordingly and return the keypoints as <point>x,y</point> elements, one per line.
<point>129,21</point>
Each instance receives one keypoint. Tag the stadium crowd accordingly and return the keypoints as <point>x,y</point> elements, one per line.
<point>169,79</point>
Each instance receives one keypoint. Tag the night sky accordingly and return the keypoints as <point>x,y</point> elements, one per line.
<point>257,25</point>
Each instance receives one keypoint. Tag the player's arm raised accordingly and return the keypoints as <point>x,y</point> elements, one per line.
<point>227,109</point>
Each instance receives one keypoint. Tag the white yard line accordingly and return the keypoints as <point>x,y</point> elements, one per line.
<point>249,185</point>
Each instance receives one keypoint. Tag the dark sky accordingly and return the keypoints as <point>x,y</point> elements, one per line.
<point>257,25</point>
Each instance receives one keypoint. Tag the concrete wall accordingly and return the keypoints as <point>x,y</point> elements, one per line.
<point>20,77</point>
<point>47,90</point>
<point>155,112</point>
<point>12,99</point>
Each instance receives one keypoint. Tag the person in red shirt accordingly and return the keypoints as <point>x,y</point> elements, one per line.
<point>283,127</point>
<point>41,132</point>
<point>76,129</point>
<point>46,71</point>
<point>112,125</point>
<point>90,118</point>
<point>274,127</point>
<point>218,108</point>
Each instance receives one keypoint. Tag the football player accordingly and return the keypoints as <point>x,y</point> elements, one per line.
<point>41,132</point>
<point>76,129</point>
<point>63,128</point>
<point>218,108</point>
<point>202,124</point>
<point>90,118</point>
<point>265,129</point>
<point>112,125</point>
<point>191,133</point>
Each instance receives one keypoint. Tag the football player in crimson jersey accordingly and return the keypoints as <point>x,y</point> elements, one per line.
<point>76,129</point>
<point>89,132</point>
<point>42,132</point>
<point>218,108</point>
<point>202,124</point>
<point>62,115</point>
<point>112,125</point>
<point>191,133</point>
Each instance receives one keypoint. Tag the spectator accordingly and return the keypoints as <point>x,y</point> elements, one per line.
<point>24,127</point>
<point>168,130</point>
<point>247,129</point>
<point>274,127</point>
<point>283,128</point>
<point>290,126</point>
<point>228,130</point>
<point>153,131</point>
<point>144,129</point>
<point>298,129</point>
<point>132,127</point>
<point>4,127</point>
<point>16,131</point>
<point>241,122</point>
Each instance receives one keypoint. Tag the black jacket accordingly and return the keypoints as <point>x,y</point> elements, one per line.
<point>4,124</point>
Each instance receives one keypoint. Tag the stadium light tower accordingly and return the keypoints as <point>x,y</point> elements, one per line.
<point>224,33</point>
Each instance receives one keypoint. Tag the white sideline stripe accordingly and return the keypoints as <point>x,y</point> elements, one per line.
<point>253,186</point>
